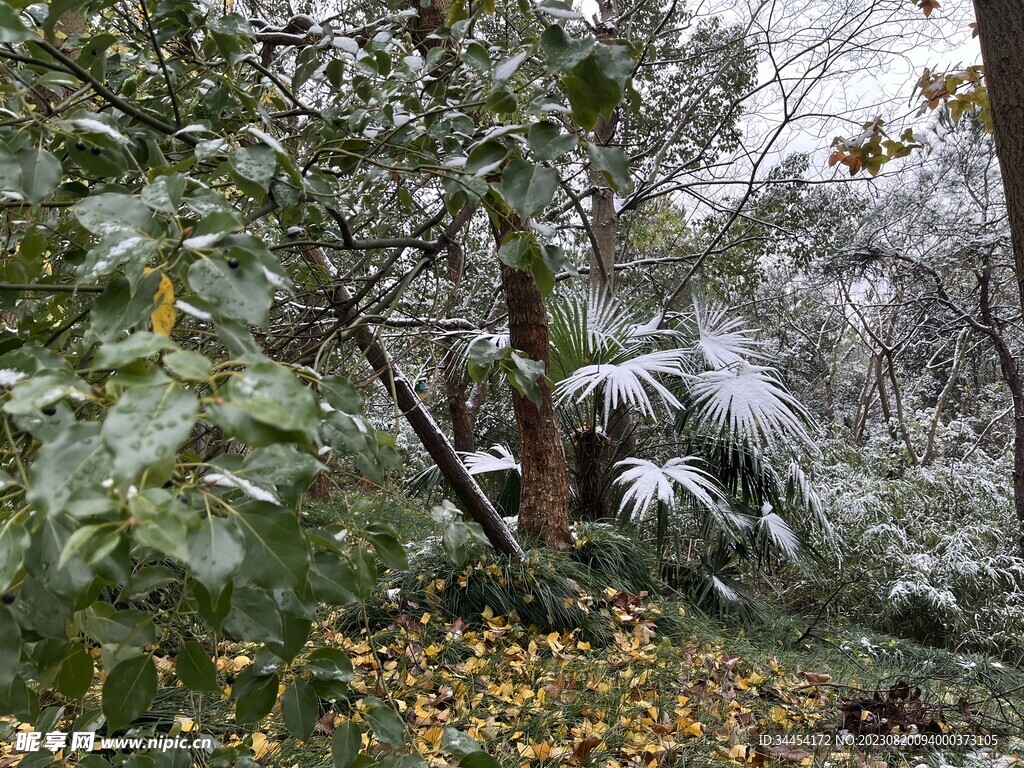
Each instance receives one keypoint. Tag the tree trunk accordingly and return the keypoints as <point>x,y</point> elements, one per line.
<point>1001,29</point>
<point>604,220</point>
<point>455,386</point>
<point>544,500</point>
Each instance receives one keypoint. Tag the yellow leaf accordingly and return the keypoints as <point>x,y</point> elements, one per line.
<point>695,729</point>
<point>541,751</point>
<point>164,316</point>
<point>262,744</point>
<point>739,752</point>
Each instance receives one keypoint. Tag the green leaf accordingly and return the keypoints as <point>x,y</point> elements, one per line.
<point>12,30</point>
<point>501,100</point>
<point>486,157</point>
<point>256,164</point>
<point>519,250</point>
<point>128,691</point>
<point>387,546</point>
<point>189,365</point>
<point>509,67</point>
<point>525,376</point>
<point>254,616</point>
<point>74,677</point>
<point>266,404</point>
<point>257,705</point>
<point>386,723</point>
<point>329,664</point>
<point>478,760</point>
<point>13,543</point>
<point>612,163</point>
<point>283,468</point>
<point>595,86</point>
<point>301,709</point>
<point>75,464</point>
<point>106,625</point>
<point>561,52</point>
<point>10,649</point>
<point>242,292</point>
<point>457,743</point>
<point>139,345</point>
<point>477,57</point>
<point>528,188</point>
<point>162,521</point>
<point>148,425</point>
<point>121,307</point>
<point>276,550</point>
<point>547,142</point>
<point>43,390</point>
<point>345,744</point>
<point>165,193</point>
<point>333,580</point>
<point>195,668</point>
<point>10,173</point>
<point>113,251</point>
<point>113,214</point>
<point>40,173</point>
<point>341,395</point>
<point>215,551</point>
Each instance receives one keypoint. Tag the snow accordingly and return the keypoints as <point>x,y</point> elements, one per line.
<point>626,383</point>
<point>188,309</point>
<point>202,241</point>
<point>95,126</point>
<point>10,377</point>
<point>231,480</point>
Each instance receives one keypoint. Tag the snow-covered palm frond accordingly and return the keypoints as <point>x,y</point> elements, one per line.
<point>779,533</point>
<point>649,484</point>
<point>626,382</point>
<point>748,402</point>
<point>586,329</point>
<point>721,340</point>
<point>800,493</point>
<point>497,458</point>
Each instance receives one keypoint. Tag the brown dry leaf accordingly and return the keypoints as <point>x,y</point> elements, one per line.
<point>582,750</point>
<point>815,677</point>
<point>325,724</point>
<point>786,754</point>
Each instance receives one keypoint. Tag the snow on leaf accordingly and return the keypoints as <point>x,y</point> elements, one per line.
<point>231,480</point>
<point>721,340</point>
<point>648,483</point>
<point>749,402</point>
<point>626,382</point>
<point>780,533</point>
<point>499,459</point>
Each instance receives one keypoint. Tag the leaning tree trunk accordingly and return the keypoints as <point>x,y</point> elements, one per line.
<point>544,499</point>
<point>430,434</point>
<point>1001,29</point>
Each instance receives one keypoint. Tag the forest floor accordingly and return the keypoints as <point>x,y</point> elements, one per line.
<point>665,686</point>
